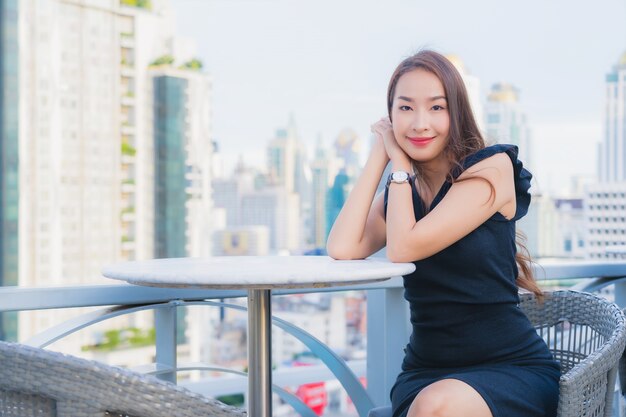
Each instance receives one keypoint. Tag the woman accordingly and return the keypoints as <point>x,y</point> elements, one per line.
<point>450,207</point>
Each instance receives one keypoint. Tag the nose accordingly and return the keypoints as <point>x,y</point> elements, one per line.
<point>420,121</point>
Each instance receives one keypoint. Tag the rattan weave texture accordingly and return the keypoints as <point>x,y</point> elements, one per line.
<point>587,335</point>
<point>37,382</point>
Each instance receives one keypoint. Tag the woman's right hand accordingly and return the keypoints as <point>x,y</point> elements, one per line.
<point>378,145</point>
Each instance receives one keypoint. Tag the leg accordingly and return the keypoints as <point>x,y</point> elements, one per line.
<point>449,398</point>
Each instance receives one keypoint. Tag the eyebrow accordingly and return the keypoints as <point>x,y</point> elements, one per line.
<point>410,100</point>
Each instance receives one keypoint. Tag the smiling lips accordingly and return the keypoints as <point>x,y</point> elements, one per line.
<point>421,141</point>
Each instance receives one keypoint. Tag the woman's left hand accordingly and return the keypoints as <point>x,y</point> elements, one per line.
<point>384,128</point>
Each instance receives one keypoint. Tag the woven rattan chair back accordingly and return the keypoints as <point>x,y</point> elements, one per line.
<point>586,334</point>
<point>37,382</point>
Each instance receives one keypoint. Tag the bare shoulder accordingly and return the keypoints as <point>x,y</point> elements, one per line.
<point>498,169</point>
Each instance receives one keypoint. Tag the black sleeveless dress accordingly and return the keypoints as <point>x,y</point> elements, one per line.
<point>467,324</point>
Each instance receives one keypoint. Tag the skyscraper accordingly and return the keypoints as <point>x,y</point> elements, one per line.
<point>612,150</point>
<point>169,176</point>
<point>87,143</point>
<point>9,184</point>
<point>288,168</point>
<point>70,112</point>
<point>277,209</point>
<point>346,169</point>
<point>506,121</point>
<point>347,152</point>
<point>605,219</point>
<point>286,160</point>
<point>336,198</point>
<point>69,140</point>
<point>146,41</point>
<point>322,169</point>
<point>605,202</point>
<point>182,163</point>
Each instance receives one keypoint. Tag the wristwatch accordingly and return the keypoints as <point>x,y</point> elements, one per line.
<point>398,177</point>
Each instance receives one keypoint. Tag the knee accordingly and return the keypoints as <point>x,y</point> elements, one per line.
<point>430,403</point>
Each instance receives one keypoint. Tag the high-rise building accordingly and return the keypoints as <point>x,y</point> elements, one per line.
<point>540,227</point>
<point>336,198</point>
<point>554,228</point>
<point>348,151</point>
<point>506,121</point>
<point>323,169</point>
<point>71,109</point>
<point>182,158</point>
<point>570,227</point>
<point>69,140</point>
<point>9,175</point>
<point>87,144</point>
<point>277,209</point>
<point>286,159</point>
<point>605,201</point>
<point>612,150</point>
<point>147,41</point>
<point>605,219</point>
<point>242,241</point>
<point>346,168</point>
<point>227,192</point>
<point>288,168</point>
<point>281,162</point>
<point>170,194</point>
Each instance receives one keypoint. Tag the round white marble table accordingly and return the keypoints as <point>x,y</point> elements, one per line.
<point>259,275</point>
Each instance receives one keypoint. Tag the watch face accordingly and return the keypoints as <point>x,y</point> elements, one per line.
<point>399,176</point>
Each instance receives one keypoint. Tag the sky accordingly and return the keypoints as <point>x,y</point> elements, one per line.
<point>327,63</point>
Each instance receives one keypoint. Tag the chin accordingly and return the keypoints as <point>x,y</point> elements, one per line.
<point>423,156</point>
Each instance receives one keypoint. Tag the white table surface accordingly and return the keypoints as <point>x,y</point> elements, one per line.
<point>259,275</point>
<point>262,272</point>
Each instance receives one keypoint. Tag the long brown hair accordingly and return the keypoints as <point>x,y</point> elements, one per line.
<point>464,137</point>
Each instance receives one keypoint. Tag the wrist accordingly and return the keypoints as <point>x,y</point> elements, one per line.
<point>399,177</point>
<point>401,164</point>
<point>378,158</point>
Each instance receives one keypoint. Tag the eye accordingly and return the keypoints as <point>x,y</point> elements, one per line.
<point>438,107</point>
<point>404,108</point>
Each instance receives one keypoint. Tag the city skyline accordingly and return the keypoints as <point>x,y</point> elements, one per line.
<point>112,151</point>
<point>329,64</point>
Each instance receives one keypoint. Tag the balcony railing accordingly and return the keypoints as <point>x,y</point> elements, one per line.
<point>388,326</point>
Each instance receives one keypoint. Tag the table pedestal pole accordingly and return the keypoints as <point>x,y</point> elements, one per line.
<point>259,353</point>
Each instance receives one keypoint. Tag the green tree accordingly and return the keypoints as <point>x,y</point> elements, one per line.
<point>142,4</point>
<point>163,60</point>
<point>193,64</point>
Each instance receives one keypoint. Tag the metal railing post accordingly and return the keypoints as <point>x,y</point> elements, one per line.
<point>165,326</point>
<point>387,334</point>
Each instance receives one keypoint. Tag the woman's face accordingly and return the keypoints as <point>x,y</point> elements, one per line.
<point>420,115</point>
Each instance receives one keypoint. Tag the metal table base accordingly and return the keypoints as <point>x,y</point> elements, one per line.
<point>259,353</point>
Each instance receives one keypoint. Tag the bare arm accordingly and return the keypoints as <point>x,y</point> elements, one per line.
<point>466,206</point>
<point>359,229</point>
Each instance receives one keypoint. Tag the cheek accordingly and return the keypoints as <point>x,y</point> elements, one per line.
<point>397,130</point>
<point>443,124</point>
<point>397,124</point>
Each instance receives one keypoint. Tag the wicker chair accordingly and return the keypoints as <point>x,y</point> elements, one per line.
<point>586,334</point>
<point>37,382</point>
